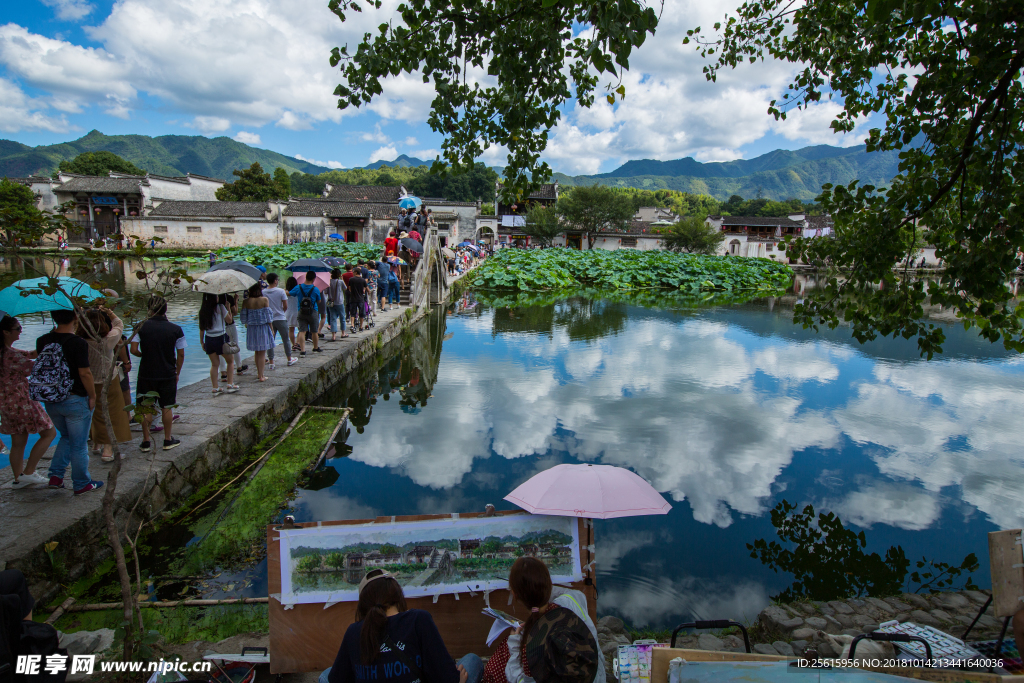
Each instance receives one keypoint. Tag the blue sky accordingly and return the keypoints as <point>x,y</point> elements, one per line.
<point>257,70</point>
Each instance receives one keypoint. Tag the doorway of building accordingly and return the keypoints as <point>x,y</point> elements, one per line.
<point>574,241</point>
<point>351,236</point>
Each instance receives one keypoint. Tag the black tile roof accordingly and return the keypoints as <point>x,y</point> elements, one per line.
<point>31,179</point>
<point>340,209</point>
<point>545,191</point>
<point>214,209</point>
<point>759,221</point>
<point>365,193</point>
<point>101,184</point>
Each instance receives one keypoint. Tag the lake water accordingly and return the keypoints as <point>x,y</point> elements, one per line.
<point>725,411</point>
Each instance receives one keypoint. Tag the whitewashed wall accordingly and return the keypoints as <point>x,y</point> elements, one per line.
<point>615,243</point>
<point>209,236</point>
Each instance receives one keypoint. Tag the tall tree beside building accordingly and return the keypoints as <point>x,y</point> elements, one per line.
<point>476,183</point>
<point>20,221</point>
<point>693,235</point>
<point>253,185</point>
<point>99,163</point>
<point>593,208</point>
<point>283,182</point>
<point>542,224</point>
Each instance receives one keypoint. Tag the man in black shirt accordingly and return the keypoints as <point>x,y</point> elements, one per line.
<point>73,416</point>
<point>161,346</point>
<point>357,297</point>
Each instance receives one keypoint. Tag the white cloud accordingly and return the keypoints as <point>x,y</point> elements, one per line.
<point>901,506</point>
<point>386,153</point>
<point>411,141</point>
<point>247,137</point>
<point>377,135</point>
<point>71,73</point>
<point>70,10</point>
<point>19,112</point>
<point>426,154</point>
<point>293,121</point>
<point>811,124</point>
<point>328,164</point>
<point>209,124</point>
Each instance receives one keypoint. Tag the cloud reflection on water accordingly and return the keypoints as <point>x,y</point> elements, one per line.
<point>685,403</point>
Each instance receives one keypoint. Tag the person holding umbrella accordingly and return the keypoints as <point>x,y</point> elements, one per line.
<point>19,414</point>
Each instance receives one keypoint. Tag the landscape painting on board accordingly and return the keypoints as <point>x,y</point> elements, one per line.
<point>326,564</point>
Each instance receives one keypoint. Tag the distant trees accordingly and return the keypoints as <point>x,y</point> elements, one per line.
<point>283,182</point>
<point>693,235</point>
<point>99,163</point>
<point>21,221</point>
<point>254,185</point>
<point>477,183</point>
<point>595,207</point>
<point>543,224</point>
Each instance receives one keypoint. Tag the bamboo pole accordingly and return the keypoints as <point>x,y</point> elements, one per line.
<point>330,440</point>
<point>284,436</point>
<point>64,607</point>
<point>100,606</point>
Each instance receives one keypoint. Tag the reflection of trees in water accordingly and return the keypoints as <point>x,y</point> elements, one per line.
<point>582,318</point>
<point>410,372</point>
<point>588,319</point>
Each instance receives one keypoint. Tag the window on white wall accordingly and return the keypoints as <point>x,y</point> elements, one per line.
<point>159,228</point>
<point>227,231</point>
<point>194,228</point>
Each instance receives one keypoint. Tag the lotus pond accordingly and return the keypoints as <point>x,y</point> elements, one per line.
<point>559,268</point>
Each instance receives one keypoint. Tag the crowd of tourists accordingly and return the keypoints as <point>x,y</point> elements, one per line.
<point>55,388</point>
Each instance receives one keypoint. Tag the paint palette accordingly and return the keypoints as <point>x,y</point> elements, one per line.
<point>1008,653</point>
<point>633,663</point>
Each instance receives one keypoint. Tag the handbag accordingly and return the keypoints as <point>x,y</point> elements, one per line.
<point>230,348</point>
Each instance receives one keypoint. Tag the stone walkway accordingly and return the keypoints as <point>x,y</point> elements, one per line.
<point>214,429</point>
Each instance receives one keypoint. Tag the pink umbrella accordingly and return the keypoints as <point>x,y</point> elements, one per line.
<point>322,281</point>
<point>597,491</point>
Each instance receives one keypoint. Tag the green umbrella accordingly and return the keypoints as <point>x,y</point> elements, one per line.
<point>29,296</point>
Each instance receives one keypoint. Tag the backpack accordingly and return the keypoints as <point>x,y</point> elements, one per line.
<point>51,377</point>
<point>10,634</point>
<point>306,302</point>
<point>19,637</point>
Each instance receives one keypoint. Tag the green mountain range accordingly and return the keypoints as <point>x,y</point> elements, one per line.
<point>171,155</point>
<point>782,174</point>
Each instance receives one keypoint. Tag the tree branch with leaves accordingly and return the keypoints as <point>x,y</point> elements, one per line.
<point>943,79</point>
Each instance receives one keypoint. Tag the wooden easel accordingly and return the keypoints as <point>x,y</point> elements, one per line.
<point>307,637</point>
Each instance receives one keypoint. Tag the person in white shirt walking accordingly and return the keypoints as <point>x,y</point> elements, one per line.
<point>279,307</point>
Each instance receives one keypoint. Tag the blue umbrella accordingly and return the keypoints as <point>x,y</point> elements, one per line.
<point>409,202</point>
<point>336,236</point>
<point>29,296</point>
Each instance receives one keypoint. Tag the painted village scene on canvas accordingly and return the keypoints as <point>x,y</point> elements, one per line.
<point>432,558</point>
<point>511,341</point>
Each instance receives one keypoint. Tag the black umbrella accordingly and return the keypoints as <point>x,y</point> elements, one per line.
<point>335,261</point>
<point>240,266</point>
<point>309,264</point>
<point>412,245</point>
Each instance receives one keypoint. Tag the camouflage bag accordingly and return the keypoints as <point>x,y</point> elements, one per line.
<point>561,649</point>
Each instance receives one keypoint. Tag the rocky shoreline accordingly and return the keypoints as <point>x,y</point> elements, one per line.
<point>797,628</point>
